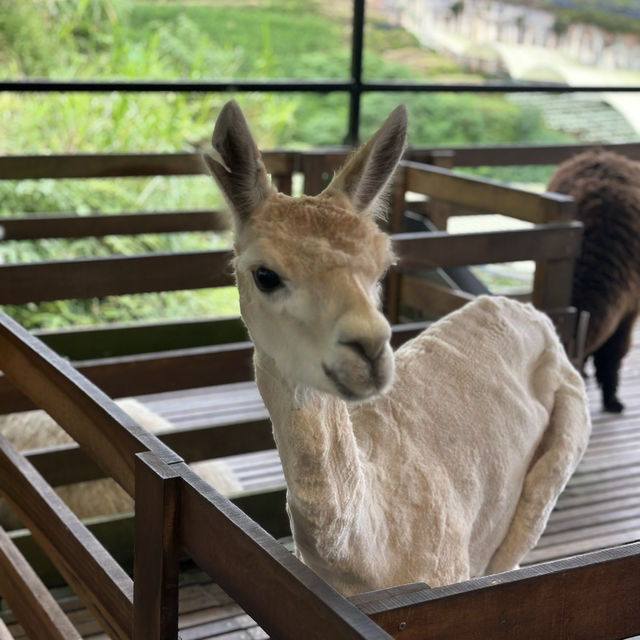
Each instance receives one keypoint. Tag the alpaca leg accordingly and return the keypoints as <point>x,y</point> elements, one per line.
<point>607,360</point>
<point>556,458</point>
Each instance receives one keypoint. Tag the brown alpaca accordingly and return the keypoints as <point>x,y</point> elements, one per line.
<point>606,189</point>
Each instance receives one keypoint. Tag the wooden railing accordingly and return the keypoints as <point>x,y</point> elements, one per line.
<point>175,511</point>
<point>117,275</point>
<point>592,596</point>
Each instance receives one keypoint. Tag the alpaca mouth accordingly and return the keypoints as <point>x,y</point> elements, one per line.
<point>341,388</point>
<point>355,390</point>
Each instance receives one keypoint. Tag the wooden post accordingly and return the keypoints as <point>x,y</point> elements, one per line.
<point>440,210</point>
<point>157,548</point>
<point>553,283</point>
<point>553,280</point>
<point>392,286</point>
<point>313,166</point>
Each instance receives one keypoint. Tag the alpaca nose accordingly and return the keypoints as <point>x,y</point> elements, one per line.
<point>366,348</point>
<point>367,339</point>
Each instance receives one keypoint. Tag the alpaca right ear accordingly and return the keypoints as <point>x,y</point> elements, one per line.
<point>236,164</point>
<point>365,176</point>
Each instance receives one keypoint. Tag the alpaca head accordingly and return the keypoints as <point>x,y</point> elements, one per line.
<point>308,269</point>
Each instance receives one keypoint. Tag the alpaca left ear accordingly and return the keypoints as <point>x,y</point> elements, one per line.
<point>366,174</point>
<point>236,164</point>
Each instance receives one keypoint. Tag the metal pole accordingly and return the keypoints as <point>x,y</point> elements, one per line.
<point>357,43</point>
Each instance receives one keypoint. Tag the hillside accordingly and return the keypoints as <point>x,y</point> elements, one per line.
<point>616,16</point>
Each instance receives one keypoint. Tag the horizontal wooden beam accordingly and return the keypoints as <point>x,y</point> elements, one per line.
<point>279,162</point>
<point>67,226</point>
<point>171,370</point>
<point>592,596</point>
<point>85,343</point>
<point>66,464</point>
<point>154,373</point>
<point>116,275</point>
<point>519,155</point>
<point>441,249</point>
<point>87,278</point>
<point>486,195</point>
<point>118,165</point>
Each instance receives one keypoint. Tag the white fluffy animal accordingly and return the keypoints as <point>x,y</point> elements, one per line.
<point>447,470</point>
<point>36,429</point>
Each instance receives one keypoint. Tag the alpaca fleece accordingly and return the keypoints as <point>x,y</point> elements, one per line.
<point>450,474</point>
<point>606,189</point>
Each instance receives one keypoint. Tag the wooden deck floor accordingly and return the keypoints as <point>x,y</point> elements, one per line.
<point>599,508</point>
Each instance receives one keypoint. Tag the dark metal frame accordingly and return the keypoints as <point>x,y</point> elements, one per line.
<point>355,86</point>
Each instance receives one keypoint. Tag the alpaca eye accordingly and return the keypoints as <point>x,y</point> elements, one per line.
<point>266,280</point>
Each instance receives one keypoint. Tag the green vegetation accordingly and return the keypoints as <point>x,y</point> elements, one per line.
<point>174,40</point>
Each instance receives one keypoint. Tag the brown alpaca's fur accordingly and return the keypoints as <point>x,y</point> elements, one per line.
<point>606,189</point>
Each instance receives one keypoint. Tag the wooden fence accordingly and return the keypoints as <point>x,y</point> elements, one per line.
<point>176,512</point>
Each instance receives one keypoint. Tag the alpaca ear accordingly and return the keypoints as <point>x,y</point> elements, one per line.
<point>236,164</point>
<point>366,174</point>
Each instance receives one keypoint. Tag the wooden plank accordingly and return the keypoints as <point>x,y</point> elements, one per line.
<point>289,600</point>
<point>66,464</point>
<point>119,165</point>
<point>53,384</point>
<point>101,583</point>
<point>278,162</point>
<point>486,195</point>
<point>85,343</point>
<point>117,534</point>
<point>553,283</point>
<point>163,272</point>
<point>157,549</point>
<point>100,165</point>
<point>115,275</point>
<point>32,604</point>
<point>510,155</point>
<point>578,521</point>
<point>73,226</point>
<point>590,597</point>
<point>283,183</point>
<point>440,249</point>
<point>602,538</point>
<point>182,369</point>
<point>267,508</point>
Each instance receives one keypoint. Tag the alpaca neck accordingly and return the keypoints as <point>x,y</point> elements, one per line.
<point>320,457</point>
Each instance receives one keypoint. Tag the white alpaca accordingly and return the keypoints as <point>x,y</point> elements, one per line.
<point>447,470</point>
<point>36,429</point>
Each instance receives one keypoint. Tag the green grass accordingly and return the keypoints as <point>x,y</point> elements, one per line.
<point>285,42</point>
